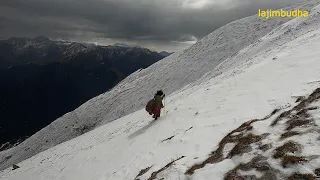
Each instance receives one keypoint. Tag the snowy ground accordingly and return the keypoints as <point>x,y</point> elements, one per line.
<point>171,74</point>
<point>270,76</point>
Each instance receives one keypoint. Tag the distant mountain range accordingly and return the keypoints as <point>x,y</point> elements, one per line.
<point>42,79</point>
<point>128,46</point>
<point>162,53</point>
<point>165,54</point>
<point>41,50</point>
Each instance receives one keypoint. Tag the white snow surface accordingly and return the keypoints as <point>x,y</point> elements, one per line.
<point>235,44</point>
<point>237,73</point>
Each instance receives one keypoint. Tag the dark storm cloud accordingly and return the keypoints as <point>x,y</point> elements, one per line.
<point>152,21</point>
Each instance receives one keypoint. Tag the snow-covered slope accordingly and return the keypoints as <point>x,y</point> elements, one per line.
<point>171,74</point>
<point>263,95</point>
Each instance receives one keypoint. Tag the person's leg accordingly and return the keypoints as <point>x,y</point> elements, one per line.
<point>157,111</point>
<point>154,112</point>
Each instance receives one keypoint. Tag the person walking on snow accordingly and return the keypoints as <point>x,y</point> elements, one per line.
<point>158,97</point>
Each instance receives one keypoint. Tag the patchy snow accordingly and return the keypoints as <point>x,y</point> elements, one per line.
<point>197,118</point>
<point>74,48</point>
<point>214,170</point>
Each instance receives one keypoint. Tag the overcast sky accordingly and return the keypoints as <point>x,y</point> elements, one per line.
<point>169,25</point>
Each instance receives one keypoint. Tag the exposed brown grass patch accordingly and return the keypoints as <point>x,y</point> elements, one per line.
<point>298,176</point>
<point>280,117</point>
<point>295,117</point>
<point>271,114</point>
<point>154,174</point>
<point>312,108</point>
<point>242,143</point>
<point>233,177</point>
<point>210,160</point>
<point>297,123</point>
<point>265,147</point>
<point>314,96</point>
<point>300,98</point>
<point>142,172</point>
<point>287,160</point>
<point>300,108</point>
<point>259,164</point>
<point>289,134</point>
<point>303,113</point>
<point>288,147</point>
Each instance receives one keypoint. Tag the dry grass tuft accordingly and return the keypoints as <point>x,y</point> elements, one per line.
<point>289,134</point>
<point>312,108</point>
<point>232,176</point>
<point>259,164</point>
<point>290,146</point>
<point>142,172</point>
<point>154,174</point>
<point>265,147</point>
<point>210,160</point>
<point>287,160</point>
<point>297,123</point>
<point>300,98</point>
<point>280,117</point>
<point>243,144</point>
<point>298,176</point>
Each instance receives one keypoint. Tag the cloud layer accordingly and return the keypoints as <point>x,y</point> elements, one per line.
<point>158,24</point>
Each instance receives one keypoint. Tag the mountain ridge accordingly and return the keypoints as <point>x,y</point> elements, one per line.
<point>55,77</point>
<point>42,50</point>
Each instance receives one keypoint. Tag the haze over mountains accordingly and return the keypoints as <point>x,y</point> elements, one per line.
<point>42,79</point>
